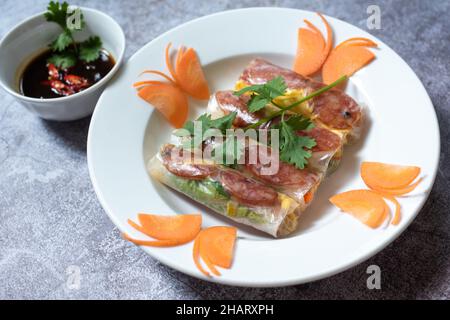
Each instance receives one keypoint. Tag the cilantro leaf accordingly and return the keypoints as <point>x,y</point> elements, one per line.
<point>270,90</point>
<point>298,122</point>
<point>63,60</point>
<point>293,148</point>
<point>263,94</point>
<point>57,13</point>
<point>254,88</point>
<point>90,49</point>
<point>275,87</point>
<point>63,41</point>
<point>222,123</point>
<point>257,102</point>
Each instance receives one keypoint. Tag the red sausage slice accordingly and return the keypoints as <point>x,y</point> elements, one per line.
<point>326,140</point>
<point>248,191</point>
<point>228,102</point>
<point>169,155</point>
<point>287,174</point>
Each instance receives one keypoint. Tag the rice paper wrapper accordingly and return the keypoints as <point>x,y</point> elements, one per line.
<point>277,219</point>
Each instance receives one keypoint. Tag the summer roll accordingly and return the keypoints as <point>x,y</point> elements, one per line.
<point>225,190</point>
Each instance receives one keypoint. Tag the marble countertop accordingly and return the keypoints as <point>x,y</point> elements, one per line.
<point>52,227</point>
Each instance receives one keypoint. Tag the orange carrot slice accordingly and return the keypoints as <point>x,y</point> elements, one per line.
<point>159,73</point>
<point>397,215</point>
<point>312,50</point>
<point>169,62</point>
<point>169,100</point>
<point>218,245</point>
<point>367,206</point>
<point>182,227</point>
<point>179,55</point>
<point>384,216</point>
<point>215,246</point>
<point>398,192</point>
<point>206,258</point>
<point>152,243</point>
<point>357,41</point>
<point>168,230</point>
<point>196,256</point>
<point>190,75</point>
<point>346,60</point>
<point>388,176</point>
<point>308,197</point>
<point>146,83</point>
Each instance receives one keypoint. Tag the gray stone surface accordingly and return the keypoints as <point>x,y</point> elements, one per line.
<point>50,218</point>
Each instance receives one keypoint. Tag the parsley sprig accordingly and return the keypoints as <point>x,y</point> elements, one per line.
<point>66,51</point>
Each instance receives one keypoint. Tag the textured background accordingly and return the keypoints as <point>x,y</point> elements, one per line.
<point>50,218</point>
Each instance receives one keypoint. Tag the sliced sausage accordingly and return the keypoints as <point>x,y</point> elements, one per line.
<point>228,102</point>
<point>287,174</point>
<point>326,140</point>
<point>174,163</point>
<point>337,110</point>
<point>248,191</point>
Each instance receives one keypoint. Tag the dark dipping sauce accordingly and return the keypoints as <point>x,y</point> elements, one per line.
<point>38,81</point>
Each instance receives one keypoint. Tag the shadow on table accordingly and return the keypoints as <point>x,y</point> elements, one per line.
<point>72,133</point>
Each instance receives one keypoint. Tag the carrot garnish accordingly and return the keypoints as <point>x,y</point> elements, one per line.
<point>367,206</point>
<point>357,41</point>
<point>347,58</point>
<point>190,75</point>
<point>397,215</point>
<point>169,100</point>
<point>152,243</point>
<point>159,73</point>
<point>196,256</point>
<point>169,230</point>
<point>215,246</point>
<point>400,191</point>
<point>169,62</point>
<point>312,49</point>
<point>378,175</point>
<point>146,83</point>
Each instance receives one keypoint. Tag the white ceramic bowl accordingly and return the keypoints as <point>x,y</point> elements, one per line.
<point>31,37</point>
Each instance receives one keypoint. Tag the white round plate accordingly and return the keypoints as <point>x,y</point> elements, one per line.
<point>401,128</point>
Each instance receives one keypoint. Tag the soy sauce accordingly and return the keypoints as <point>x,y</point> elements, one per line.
<point>35,80</point>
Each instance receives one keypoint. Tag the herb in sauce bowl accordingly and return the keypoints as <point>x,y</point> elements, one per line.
<point>27,46</point>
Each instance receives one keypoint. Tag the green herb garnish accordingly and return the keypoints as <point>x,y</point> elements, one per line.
<point>66,50</point>
<point>207,123</point>
<point>263,94</point>
<point>294,149</point>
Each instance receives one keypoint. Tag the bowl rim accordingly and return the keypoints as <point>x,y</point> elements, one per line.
<point>89,90</point>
